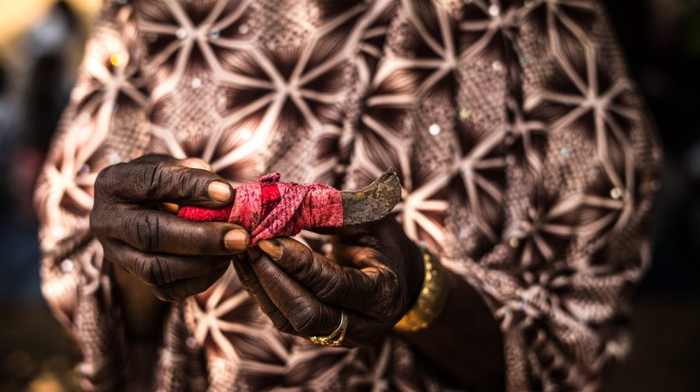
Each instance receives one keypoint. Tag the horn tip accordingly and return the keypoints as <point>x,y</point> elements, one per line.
<point>373,202</point>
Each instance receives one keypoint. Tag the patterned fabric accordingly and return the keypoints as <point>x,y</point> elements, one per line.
<point>269,208</point>
<point>527,160</point>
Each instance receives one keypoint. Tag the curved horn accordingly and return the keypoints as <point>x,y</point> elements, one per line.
<point>373,202</point>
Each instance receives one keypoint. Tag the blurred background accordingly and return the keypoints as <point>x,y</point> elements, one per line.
<point>41,43</point>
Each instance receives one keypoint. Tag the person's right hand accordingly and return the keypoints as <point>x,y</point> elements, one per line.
<point>177,258</point>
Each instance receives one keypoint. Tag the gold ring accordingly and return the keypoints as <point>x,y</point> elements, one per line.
<point>335,339</point>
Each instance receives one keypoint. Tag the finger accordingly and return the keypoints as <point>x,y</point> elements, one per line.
<point>163,181</point>
<point>182,289</point>
<point>384,237</point>
<point>192,163</point>
<point>252,285</point>
<point>196,163</point>
<point>333,284</point>
<point>340,253</point>
<point>158,231</point>
<point>355,255</point>
<point>307,315</point>
<point>161,269</point>
<point>305,312</point>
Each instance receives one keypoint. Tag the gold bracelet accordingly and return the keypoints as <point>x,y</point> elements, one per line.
<point>432,298</point>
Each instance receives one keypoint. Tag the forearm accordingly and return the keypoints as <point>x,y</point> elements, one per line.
<point>464,340</point>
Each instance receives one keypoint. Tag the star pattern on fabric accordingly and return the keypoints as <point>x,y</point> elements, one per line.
<point>421,66</point>
<point>479,179</point>
<point>546,233</point>
<point>277,91</point>
<point>513,129</point>
<point>484,27</point>
<point>226,152</point>
<point>111,86</point>
<point>267,91</point>
<point>226,316</point>
<point>186,36</point>
<point>583,98</point>
<point>375,377</point>
<point>186,39</point>
<point>563,23</point>
<point>527,139</point>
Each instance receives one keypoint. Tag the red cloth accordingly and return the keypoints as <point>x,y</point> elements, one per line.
<point>269,208</point>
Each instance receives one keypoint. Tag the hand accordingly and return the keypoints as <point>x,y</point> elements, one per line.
<point>177,258</point>
<point>303,292</point>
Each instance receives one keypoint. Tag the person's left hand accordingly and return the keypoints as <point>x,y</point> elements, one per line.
<point>303,292</point>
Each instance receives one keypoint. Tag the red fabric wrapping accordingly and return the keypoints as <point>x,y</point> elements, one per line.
<point>269,208</point>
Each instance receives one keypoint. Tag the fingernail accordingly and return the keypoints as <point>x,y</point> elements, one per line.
<point>272,249</point>
<point>219,191</point>
<point>171,208</point>
<point>236,240</point>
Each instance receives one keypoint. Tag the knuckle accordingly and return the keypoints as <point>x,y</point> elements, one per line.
<point>333,288</point>
<point>305,317</point>
<point>160,270</point>
<point>143,268</point>
<point>141,231</point>
<point>152,177</point>
<point>189,182</point>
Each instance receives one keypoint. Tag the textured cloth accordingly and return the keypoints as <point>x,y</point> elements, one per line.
<point>269,208</point>
<point>526,157</point>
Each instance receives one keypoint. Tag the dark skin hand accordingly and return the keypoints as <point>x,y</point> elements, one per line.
<point>375,275</point>
<point>155,251</point>
<point>375,278</point>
